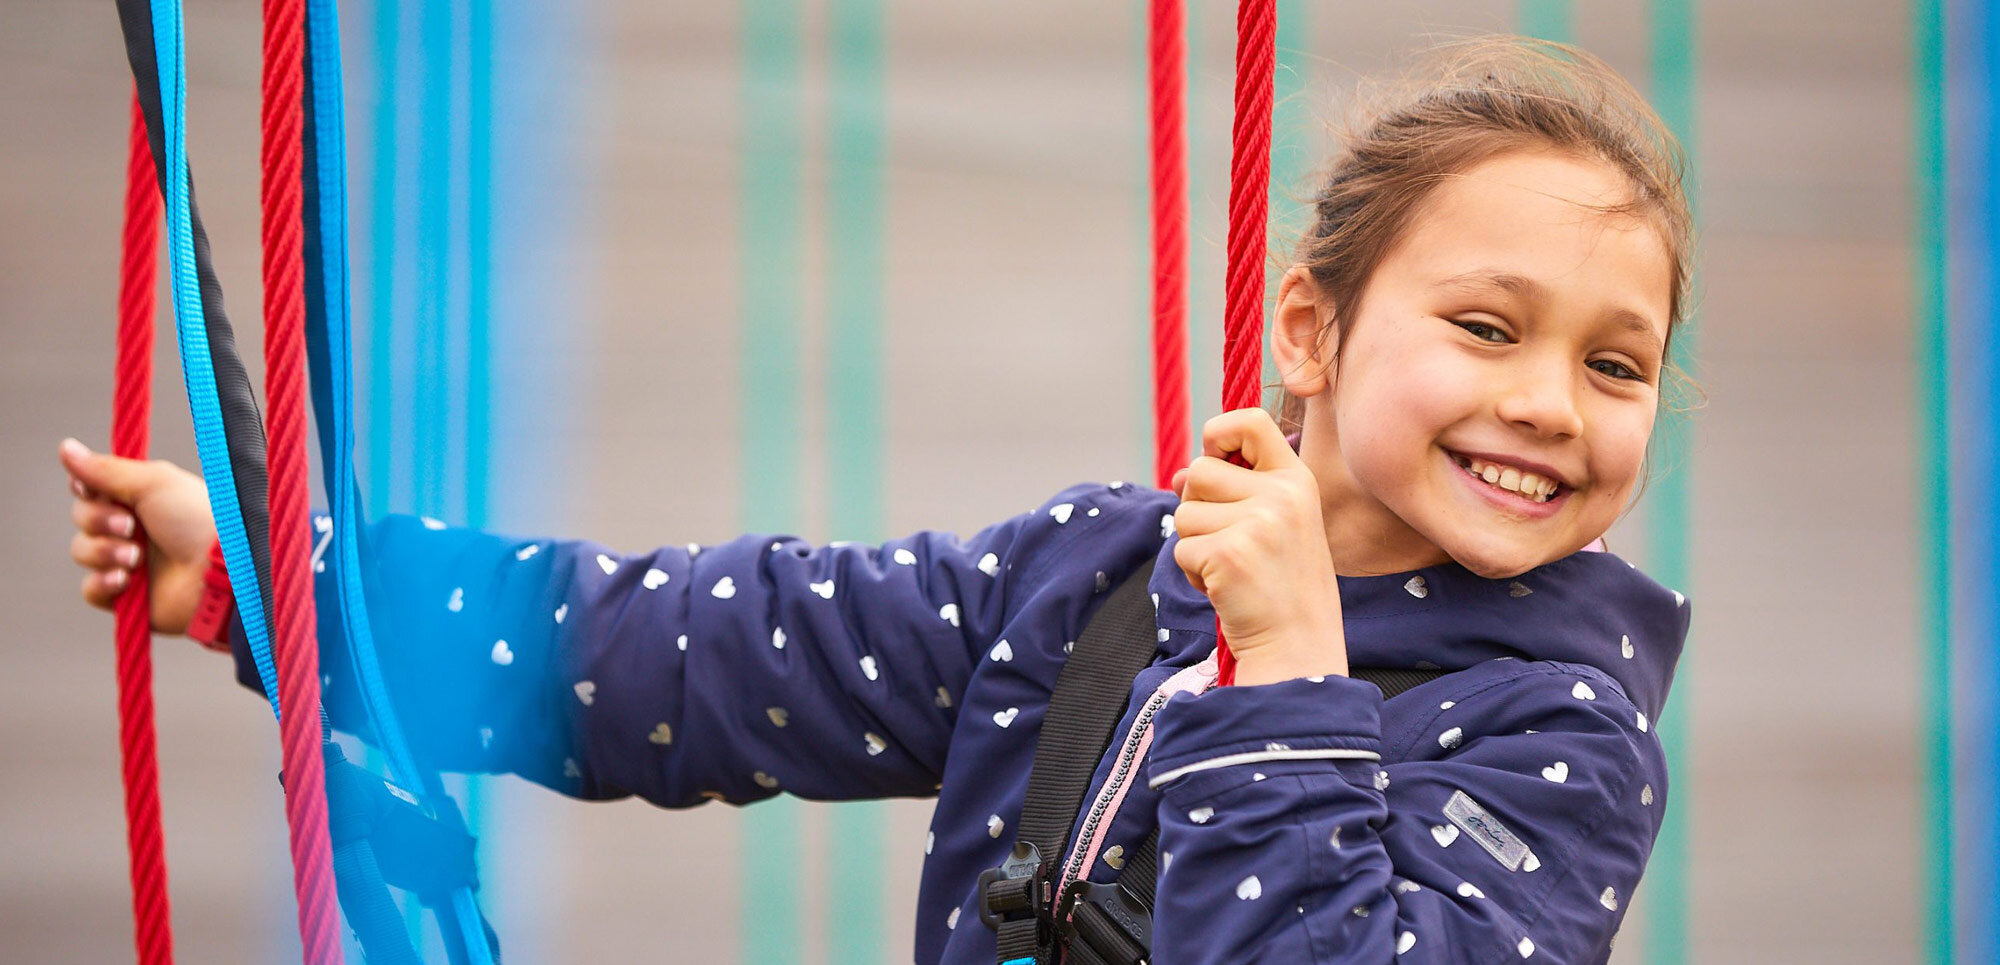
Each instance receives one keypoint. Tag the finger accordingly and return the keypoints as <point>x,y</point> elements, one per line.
<point>99,518</point>
<point>1180,480</point>
<point>103,552</point>
<point>1196,518</point>
<point>1190,556</point>
<point>101,588</point>
<point>79,490</point>
<point>1210,479</point>
<point>1251,433</point>
<point>121,479</point>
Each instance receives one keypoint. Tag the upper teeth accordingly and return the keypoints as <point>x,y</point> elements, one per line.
<point>1507,477</point>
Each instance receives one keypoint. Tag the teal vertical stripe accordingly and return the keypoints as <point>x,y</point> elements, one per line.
<point>479,805</point>
<point>1932,433</point>
<point>1548,19</point>
<point>771,266</point>
<point>1291,158</point>
<point>856,843</point>
<point>432,262</point>
<point>1672,50</point>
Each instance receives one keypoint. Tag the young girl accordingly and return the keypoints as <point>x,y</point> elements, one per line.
<point>1473,342</point>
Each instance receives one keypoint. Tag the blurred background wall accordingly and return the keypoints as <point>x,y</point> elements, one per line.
<point>652,273</point>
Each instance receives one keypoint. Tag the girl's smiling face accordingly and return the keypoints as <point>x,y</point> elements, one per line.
<point>1491,399</point>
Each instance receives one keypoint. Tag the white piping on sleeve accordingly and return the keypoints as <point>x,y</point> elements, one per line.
<point>1253,757</point>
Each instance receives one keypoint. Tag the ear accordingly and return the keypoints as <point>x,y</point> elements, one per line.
<point>1302,343</point>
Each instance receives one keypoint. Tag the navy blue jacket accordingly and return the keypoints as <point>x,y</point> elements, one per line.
<point>1500,812</point>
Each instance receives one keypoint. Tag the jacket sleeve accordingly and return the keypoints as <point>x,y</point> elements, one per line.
<point>1515,826</point>
<point>727,672</point>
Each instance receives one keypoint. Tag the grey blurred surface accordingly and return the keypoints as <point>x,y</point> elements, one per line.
<point>1015,290</point>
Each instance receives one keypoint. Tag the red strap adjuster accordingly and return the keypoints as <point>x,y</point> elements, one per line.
<point>210,624</point>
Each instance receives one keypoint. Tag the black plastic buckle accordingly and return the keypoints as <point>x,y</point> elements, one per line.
<point>1108,919</point>
<point>1019,889</point>
<point>427,854</point>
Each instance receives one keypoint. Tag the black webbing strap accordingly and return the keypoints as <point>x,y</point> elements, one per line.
<point>1089,699</point>
<point>1109,924</point>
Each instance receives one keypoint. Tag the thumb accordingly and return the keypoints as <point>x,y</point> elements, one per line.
<point>119,479</point>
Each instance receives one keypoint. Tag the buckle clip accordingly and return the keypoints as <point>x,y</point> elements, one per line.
<point>1021,888</point>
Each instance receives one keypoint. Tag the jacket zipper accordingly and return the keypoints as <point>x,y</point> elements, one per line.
<point>1073,871</point>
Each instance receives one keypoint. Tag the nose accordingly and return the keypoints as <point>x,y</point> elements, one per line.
<point>1542,400</point>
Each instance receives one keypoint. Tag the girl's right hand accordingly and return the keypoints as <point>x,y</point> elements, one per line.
<point>168,502</point>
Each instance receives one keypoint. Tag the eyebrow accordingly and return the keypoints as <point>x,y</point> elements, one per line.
<point>1488,281</point>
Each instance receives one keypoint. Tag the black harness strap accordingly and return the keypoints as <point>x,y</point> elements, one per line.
<point>1089,699</point>
<point>1108,924</point>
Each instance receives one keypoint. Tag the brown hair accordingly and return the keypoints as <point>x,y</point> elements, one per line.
<point>1479,99</point>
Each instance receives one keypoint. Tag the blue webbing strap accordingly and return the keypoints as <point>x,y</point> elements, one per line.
<point>329,346</point>
<point>197,367</point>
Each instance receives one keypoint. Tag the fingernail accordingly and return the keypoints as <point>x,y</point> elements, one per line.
<point>121,524</point>
<point>128,555</point>
<point>115,579</point>
<point>75,448</point>
<point>76,487</point>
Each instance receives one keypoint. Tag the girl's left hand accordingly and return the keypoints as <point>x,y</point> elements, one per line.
<point>1252,539</point>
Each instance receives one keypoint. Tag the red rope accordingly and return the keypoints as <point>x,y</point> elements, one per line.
<point>1168,55</point>
<point>131,414</point>
<point>297,650</point>
<point>1249,184</point>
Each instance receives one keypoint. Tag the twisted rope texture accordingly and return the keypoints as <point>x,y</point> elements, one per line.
<point>1167,50</point>
<point>1249,184</point>
<point>131,415</point>
<point>297,649</point>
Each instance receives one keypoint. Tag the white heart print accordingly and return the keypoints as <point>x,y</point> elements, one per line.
<point>1518,589</point>
<point>1582,691</point>
<point>430,523</point>
<point>764,780</point>
<point>1417,587</point>
<point>943,698</point>
<point>1201,814</point>
<point>1526,948</point>
<point>876,744</point>
<point>1444,834</point>
<point>502,654</point>
<point>1625,646</point>
<point>868,668</point>
<point>1115,857</point>
<point>654,579</point>
<point>1646,796</point>
<point>1467,889</point>
<point>457,601</point>
<point>989,564</point>
<point>562,611</point>
<point>951,920</point>
<point>1557,772</point>
<point>1166,526</point>
<point>1005,718</point>
<point>527,551</point>
<point>724,588</point>
<point>1609,899</point>
<point>607,564</point>
<point>1642,722</point>
<point>824,588</point>
<point>779,715</point>
<point>949,613</point>
<point>1061,512</point>
<point>1405,942</point>
<point>586,692</point>
<point>930,841</point>
<point>1003,651</point>
<point>994,825</point>
<point>1250,889</point>
<point>1531,863</point>
<point>681,642</point>
<point>905,557</point>
<point>778,637</point>
<point>1451,738</point>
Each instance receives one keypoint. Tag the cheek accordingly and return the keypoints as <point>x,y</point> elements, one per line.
<point>1618,450</point>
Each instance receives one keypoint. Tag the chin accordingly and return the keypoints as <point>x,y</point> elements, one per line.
<point>1499,562</point>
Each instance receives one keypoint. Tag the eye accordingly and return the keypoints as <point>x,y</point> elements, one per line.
<point>1484,332</point>
<point>1616,370</point>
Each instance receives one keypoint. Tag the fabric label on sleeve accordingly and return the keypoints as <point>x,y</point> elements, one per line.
<point>1502,844</point>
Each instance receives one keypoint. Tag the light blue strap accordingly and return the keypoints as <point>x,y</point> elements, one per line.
<point>198,370</point>
<point>330,165</point>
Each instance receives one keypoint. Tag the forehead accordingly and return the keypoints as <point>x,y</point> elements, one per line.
<point>1538,218</point>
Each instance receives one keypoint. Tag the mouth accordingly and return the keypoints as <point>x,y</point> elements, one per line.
<point>1512,483</point>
